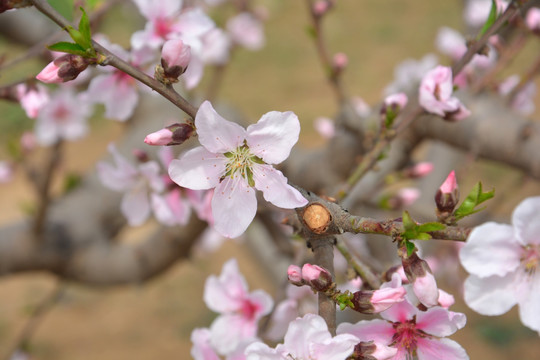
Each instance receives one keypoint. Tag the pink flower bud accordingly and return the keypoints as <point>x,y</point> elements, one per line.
<point>398,100</point>
<point>340,61</point>
<point>175,57</point>
<point>294,273</point>
<point>325,127</point>
<point>375,301</point>
<point>373,350</point>
<point>420,276</point>
<point>317,277</point>
<point>447,195</point>
<point>533,19</point>
<point>159,138</point>
<point>28,141</point>
<point>419,170</point>
<point>320,7</point>
<point>64,68</point>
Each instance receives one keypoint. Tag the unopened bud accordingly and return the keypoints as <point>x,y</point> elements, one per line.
<point>447,195</point>
<point>140,155</point>
<point>420,276</point>
<point>64,68</point>
<point>419,170</point>
<point>370,350</point>
<point>340,61</point>
<point>174,134</point>
<point>175,58</point>
<point>533,20</point>
<point>294,273</point>
<point>317,277</point>
<point>375,301</point>
<point>321,7</point>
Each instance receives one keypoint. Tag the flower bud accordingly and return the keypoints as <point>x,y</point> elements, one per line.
<point>375,301</point>
<point>141,155</point>
<point>447,195</point>
<point>370,350</point>
<point>445,299</point>
<point>294,273</point>
<point>174,134</point>
<point>419,170</point>
<point>317,277</point>
<point>321,7</point>
<point>13,4</point>
<point>420,276</point>
<point>533,20</point>
<point>175,57</point>
<point>64,68</point>
<point>340,61</point>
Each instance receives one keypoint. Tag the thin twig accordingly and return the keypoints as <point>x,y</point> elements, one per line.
<point>359,267</point>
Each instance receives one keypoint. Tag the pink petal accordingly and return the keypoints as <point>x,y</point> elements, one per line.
<point>227,331</point>
<point>437,349</point>
<point>285,312</point>
<point>194,72</point>
<point>275,189</point>
<point>273,136</point>
<point>492,295</point>
<point>154,9</point>
<point>366,330</point>
<point>400,312</point>
<point>526,222</point>
<point>198,169</point>
<point>234,206</point>
<point>117,94</point>
<point>193,23</point>
<point>151,172</point>
<point>303,331</point>
<point>216,134</point>
<point>440,322</point>
<point>491,249</point>
<point>337,348</point>
<point>135,206</point>
<point>246,30</point>
<point>226,293</point>
<point>261,351</point>
<point>529,305</point>
<point>201,349</point>
<point>425,289</point>
<point>260,303</point>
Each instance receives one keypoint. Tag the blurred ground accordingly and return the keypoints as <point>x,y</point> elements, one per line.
<point>154,320</point>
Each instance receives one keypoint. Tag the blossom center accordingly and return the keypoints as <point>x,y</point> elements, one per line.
<point>530,259</point>
<point>163,27</point>
<point>406,335</point>
<point>249,309</point>
<point>241,161</point>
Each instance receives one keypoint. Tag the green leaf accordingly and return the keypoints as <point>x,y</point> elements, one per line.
<point>490,20</point>
<point>416,231</point>
<point>84,29</point>
<point>408,222</point>
<point>431,226</point>
<point>475,198</point>
<point>64,7</point>
<point>76,36</point>
<point>67,47</point>
<point>390,117</point>
<point>410,247</point>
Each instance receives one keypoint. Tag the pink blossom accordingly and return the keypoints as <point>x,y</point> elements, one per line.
<point>175,54</point>
<point>398,100</point>
<point>412,332</point>
<point>360,106</point>
<point>115,89</point>
<point>420,169</point>
<point>166,21</point>
<point>171,209</point>
<point>523,101</point>
<point>407,196</point>
<point>435,94</point>
<point>340,61</point>
<point>246,30</point>
<point>294,274</point>
<point>202,349</point>
<point>234,161</point>
<point>533,19</point>
<point>325,127</point>
<point>503,262</point>
<point>137,183</point>
<point>321,7</point>
<point>445,299</point>
<point>239,310</point>
<point>307,338</point>
<point>32,98</point>
<point>64,68</point>
<point>421,278</point>
<point>451,43</point>
<point>63,117</point>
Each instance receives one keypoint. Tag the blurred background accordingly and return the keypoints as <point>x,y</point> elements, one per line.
<point>155,319</point>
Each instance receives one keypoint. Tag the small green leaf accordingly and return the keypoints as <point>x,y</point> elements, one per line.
<point>67,47</point>
<point>76,36</point>
<point>431,226</point>
<point>390,117</point>
<point>490,20</point>
<point>423,236</point>
<point>84,29</point>
<point>408,222</point>
<point>473,199</point>
<point>71,182</point>
<point>410,247</point>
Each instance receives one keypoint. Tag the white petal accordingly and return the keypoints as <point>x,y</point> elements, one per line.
<point>216,134</point>
<point>526,220</point>
<point>303,331</point>
<point>493,295</point>
<point>529,305</point>
<point>439,321</point>
<point>151,171</point>
<point>228,330</point>
<point>198,169</point>
<point>337,348</point>
<point>194,22</point>
<point>380,331</point>
<point>234,206</point>
<point>491,249</point>
<point>437,349</point>
<point>275,189</point>
<point>135,206</point>
<point>261,351</point>
<point>273,136</point>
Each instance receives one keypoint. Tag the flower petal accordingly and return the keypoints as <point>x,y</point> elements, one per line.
<point>493,295</point>
<point>198,169</point>
<point>529,305</point>
<point>525,219</point>
<point>400,312</point>
<point>273,136</point>
<point>201,349</point>
<point>437,349</point>
<point>337,348</point>
<point>380,331</point>
<point>135,205</point>
<point>228,330</point>
<point>491,249</point>
<point>234,206</point>
<point>261,351</point>
<point>439,321</point>
<point>309,329</point>
<point>226,293</point>
<point>275,189</point>
<point>216,134</point>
